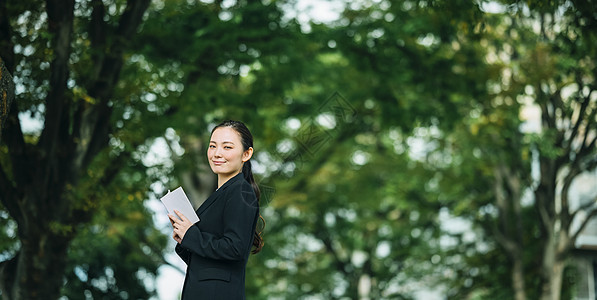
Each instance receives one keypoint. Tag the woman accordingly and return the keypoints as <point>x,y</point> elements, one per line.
<point>216,248</point>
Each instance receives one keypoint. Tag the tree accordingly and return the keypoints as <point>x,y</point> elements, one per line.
<point>211,50</point>
<point>545,53</point>
<point>555,72</point>
<point>485,73</point>
<point>74,91</point>
<point>100,118</point>
<point>369,131</point>
<point>355,211</point>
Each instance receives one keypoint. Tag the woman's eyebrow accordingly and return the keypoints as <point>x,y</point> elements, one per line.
<point>224,142</point>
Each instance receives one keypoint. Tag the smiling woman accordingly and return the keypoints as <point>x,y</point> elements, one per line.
<point>216,249</point>
<point>226,155</point>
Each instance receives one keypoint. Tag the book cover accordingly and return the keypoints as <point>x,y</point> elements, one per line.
<point>177,200</point>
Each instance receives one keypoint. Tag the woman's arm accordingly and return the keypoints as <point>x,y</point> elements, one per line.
<point>240,213</point>
<point>184,254</point>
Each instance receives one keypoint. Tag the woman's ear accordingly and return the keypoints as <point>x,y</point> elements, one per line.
<point>247,154</point>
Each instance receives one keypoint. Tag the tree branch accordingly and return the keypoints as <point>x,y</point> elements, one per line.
<point>590,215</point>
<point>22,165</point>
<point>95,122</point>
<point>506,243</point>
<point>558,105</point>
<point>580,119</point>
<point>500,198</point>
<point>6,34</point>
<point>132,18</point>
<point>97,35</point>
<point>83,215</point>
<point>7,279</point>
<point>60,20</point>
<point>340,264</point>
<point>573,171</point>
<point>586,149</point>
<point>9,196</point>
<point>323,236</point>
<point>83,117</point>
<point>590,165</point>
<point>546,117</point>
<point>590,122</point>
<point>543,213</point>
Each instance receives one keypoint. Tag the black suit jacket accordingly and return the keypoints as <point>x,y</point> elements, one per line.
<point>216,248</point>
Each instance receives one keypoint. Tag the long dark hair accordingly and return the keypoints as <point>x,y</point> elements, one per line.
<point>247,140</point>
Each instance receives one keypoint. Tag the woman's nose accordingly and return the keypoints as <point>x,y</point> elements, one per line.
<point>217,152</point>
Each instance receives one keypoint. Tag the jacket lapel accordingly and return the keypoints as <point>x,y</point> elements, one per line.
<point>215,195</point>
<point>210,200</point>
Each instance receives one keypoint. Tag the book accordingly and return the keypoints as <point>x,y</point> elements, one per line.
<point>178,200</point>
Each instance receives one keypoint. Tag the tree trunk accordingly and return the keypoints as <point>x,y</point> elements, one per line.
<point>39,267</point>
<point>518,279</point>
<point>552,286</point>
<point>508,198</point>
<point>553,266</point>
<point>33,184</point>
<point>35,272</point>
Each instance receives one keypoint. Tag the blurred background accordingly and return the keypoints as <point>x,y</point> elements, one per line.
<point>420,149</point>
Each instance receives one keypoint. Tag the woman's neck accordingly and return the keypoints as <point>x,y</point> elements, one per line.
<point>223,178</point>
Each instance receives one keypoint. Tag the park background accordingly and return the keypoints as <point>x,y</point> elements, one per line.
<point>405,149</point>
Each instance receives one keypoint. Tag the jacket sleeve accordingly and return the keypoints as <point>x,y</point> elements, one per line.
<point>184,254</point>
<point>240,213</point>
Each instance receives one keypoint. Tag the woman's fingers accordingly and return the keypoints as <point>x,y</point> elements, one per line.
<point>176,237</point>
<point>180,225</point>
<point>182,217</point>
<point>172,219</point>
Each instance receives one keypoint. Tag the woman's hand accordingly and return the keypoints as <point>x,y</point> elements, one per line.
<point>180,226</point>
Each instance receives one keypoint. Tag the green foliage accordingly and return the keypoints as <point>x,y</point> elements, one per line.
<point>117,255</point>
<point>497,136</point>
<point>369,132</point>
<point>8,236</point>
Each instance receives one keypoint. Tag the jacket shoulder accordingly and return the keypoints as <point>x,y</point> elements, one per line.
<point>244,190</point>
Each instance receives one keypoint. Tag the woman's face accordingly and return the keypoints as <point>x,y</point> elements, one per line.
<point>225,153</point>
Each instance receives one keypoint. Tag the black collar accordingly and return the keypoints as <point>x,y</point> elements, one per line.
<point>230,181</point>
<point>215,195</point>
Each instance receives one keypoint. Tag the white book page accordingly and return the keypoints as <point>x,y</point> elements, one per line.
<point>177,200</point>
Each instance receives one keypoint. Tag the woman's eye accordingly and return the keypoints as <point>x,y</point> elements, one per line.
<point>212,146</point>
<point>227,147</point>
